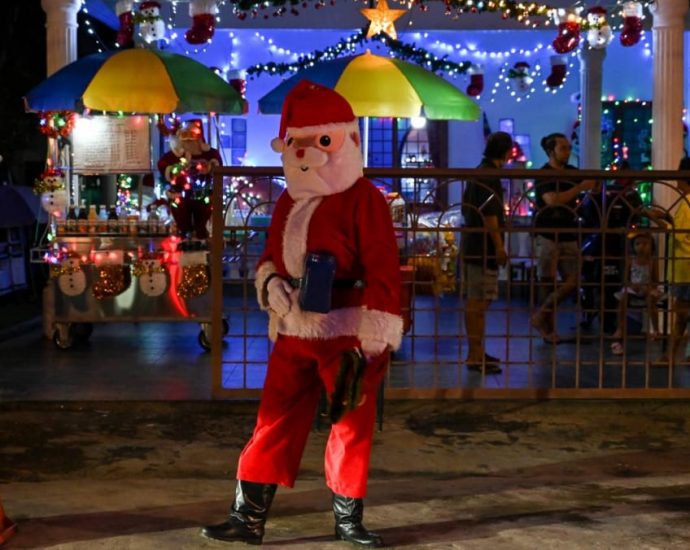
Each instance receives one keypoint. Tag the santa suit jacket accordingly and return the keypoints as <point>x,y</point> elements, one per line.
<point>169,159</point>
<point>355,226</point>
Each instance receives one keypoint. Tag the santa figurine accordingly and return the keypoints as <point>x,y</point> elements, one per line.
<point>329,279</point>
<point>187,169</point>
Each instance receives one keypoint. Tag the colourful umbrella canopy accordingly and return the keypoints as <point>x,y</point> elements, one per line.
<point>379,86</point>
<point>136,81</point>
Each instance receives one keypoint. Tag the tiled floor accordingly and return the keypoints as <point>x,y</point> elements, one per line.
<point>163,361</point>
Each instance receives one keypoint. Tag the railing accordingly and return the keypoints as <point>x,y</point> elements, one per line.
<point>431,360</point>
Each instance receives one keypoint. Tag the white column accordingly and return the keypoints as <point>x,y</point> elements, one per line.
<point>61,32</point>
<point>667,98</point>
<point>591,65</point>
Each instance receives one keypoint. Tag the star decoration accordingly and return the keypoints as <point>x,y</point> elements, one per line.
<point>382,19</point>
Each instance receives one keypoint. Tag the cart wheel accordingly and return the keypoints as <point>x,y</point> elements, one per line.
<point>63,341</point>
<point>203,341</point>
<point>83,331</point>
<point>226,327</point>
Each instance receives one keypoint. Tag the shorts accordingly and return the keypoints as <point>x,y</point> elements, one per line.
<point>556,258</point>
<point>479,283</point>
<point>681,291</point>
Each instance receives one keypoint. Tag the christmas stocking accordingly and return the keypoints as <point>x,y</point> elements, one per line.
<point>558,71</point>
<point>568,31</point>
<point>195,274</point>
<point>203,13</point>
<point>125,34</point>
<point>476,86</point>
<point>632,23</point>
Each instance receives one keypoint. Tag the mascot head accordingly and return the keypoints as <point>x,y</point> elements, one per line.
<point>319,141</point>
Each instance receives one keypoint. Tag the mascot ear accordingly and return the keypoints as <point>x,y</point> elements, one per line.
<point>278,145</point>
<point>355,138</point>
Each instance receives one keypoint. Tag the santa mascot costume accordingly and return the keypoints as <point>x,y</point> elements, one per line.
<point>329,278</point>
<point>187,168</point>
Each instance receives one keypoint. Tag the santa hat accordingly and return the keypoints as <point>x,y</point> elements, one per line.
<point>311,104</point>
<point>147,5</point>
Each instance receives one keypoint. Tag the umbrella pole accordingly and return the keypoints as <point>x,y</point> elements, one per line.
<point>365,141</point>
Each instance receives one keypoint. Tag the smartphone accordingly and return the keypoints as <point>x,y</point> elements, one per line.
<point>316,287</point>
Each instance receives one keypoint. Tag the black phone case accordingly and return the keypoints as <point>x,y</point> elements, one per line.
<point>319,274</point>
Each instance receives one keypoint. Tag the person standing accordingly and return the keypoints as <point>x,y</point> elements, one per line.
<point>679,259</point>
<point>483,250</point>
<point>557,248</point>
<point>329,277</point>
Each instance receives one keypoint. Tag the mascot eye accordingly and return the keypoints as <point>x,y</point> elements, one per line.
<point>289,141</point>
<point>331,141</point>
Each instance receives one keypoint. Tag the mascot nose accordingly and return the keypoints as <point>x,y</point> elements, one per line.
<point>299,153</point>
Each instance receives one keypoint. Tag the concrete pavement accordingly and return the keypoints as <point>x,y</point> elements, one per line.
<point>481,475</point>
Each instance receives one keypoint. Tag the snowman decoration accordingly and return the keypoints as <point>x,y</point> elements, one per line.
<point>151,25</point>
<point>51,186</point>
<point>520,77</point>
<point>153,280</point>
<point>71,277</point>
<point>599,33</point>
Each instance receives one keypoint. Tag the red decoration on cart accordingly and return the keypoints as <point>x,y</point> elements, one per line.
<point>203,14</point>
<point>632,24</point>
<point>125,14</point>
<point>568,30</point>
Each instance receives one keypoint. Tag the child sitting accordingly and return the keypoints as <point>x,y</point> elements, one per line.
<point>642,288</point>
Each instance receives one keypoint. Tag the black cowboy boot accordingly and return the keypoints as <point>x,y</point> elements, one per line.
<point>248,515</point>
<point>348,522</point>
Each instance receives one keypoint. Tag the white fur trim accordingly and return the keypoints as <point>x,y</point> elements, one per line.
<point>295,236</point>
<point>322,128</point>
<point>123,6</point>
<point>262,273</point>
<point>381,326</point>
<point>306,324</point>
<point>197,7</point>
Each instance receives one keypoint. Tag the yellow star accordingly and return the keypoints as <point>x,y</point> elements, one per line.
<point>382,19</point>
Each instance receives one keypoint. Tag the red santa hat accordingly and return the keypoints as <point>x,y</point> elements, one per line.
<point>147,5</point>
<point>311,104</point>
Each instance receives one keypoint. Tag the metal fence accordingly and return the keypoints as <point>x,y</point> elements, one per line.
<point>429,230</point>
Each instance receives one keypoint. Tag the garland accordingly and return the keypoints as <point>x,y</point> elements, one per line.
<point>406,52</point>
<point>55,124</point>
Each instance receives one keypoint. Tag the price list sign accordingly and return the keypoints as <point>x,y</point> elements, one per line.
<point>111,145</point>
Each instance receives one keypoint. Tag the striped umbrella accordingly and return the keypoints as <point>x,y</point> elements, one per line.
<point>379,86</point>
<point>136,81</point>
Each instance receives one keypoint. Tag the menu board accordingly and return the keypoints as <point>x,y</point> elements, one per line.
<point>111,145</point>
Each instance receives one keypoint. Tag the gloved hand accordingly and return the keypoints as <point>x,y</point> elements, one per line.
<point>372,348</point>
<point>279,291</point>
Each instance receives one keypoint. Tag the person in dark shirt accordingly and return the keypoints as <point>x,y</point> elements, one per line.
<point>558,252</point>
<point>483,250</point>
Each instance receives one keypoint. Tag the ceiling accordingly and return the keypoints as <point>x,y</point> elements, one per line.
<point>344,15</point>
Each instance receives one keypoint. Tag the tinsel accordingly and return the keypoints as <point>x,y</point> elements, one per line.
<point>111,280</point>
<point>143,267</point>
<point>195,281</point>
<point>65,268</point>
<point>56,124</point>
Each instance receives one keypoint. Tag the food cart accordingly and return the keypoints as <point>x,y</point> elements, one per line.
<point>136,270</point>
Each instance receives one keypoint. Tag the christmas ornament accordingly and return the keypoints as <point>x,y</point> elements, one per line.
<point>632,24</point>
<point>559,68</point>
<point>70,276</point>
<point>151,25</point>
<point>55,124</point>
<point>203,14</point>
<point>195,274</point>
<point>520,76</point>
<point>112,277</point>
<point>599,33</point>
<point>476,86</point>
<point>153,280</point>
<point>568,22</point>
<point>125,34</point>
<point>382,19</point>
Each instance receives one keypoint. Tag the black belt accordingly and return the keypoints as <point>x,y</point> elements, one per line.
<point>338,283</point>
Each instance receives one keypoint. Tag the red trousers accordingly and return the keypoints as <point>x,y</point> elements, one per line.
<point>298,369</point>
